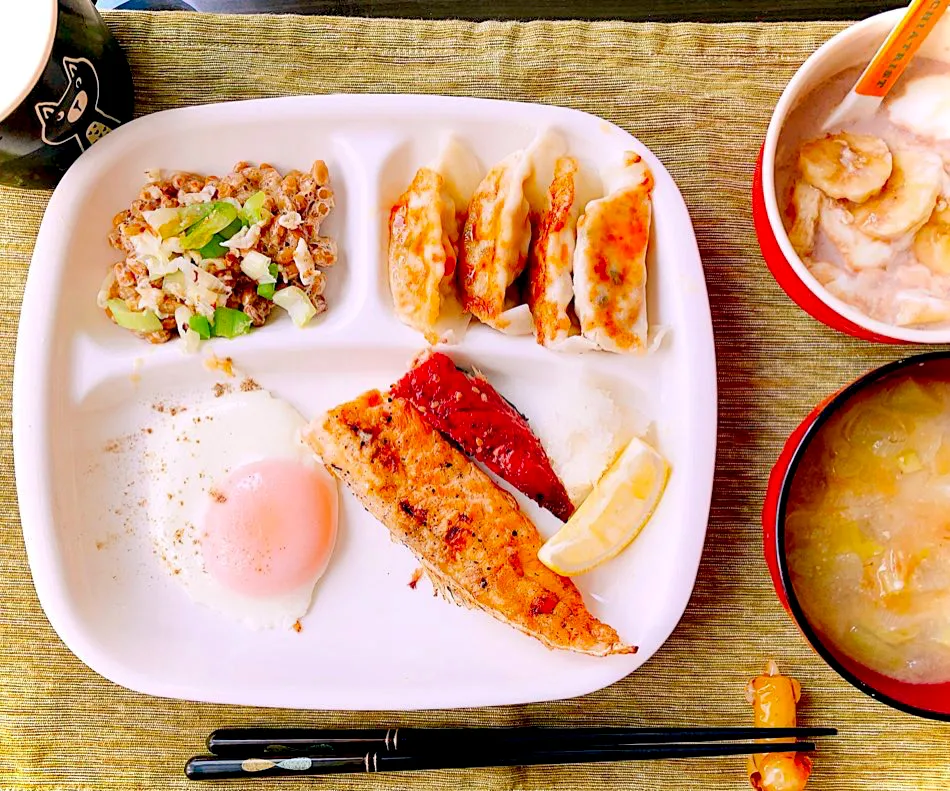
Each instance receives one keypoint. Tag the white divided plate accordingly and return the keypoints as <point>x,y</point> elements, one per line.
<point>369,640</point>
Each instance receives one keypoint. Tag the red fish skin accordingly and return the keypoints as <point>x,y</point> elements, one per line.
<point>471,413</point>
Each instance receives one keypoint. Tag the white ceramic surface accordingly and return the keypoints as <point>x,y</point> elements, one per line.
<point>853,46</point>
<point>369,641</point>
<point>26,40</point>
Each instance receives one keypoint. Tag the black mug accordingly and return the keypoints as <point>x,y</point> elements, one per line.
<point>80,91</point>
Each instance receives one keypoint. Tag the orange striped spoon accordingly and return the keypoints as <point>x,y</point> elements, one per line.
<point>888,63</point>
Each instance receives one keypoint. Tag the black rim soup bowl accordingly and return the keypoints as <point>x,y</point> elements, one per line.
<point>923,700</point>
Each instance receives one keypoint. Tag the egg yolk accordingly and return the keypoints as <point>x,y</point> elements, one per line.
<point>270,527</point>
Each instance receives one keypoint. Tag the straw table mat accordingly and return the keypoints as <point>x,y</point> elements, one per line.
<point>700,97</point>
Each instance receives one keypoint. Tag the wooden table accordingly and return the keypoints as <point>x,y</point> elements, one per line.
<point>629,10</point>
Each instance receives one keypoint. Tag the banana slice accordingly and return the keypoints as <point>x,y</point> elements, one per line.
<point>858,250</point>
<point>932,246</point>
<point>941,211</point>
<point>846,166</point>
<point>804,209</point>
<point>920,307</point>
<point>845,287</point>
<point>869,291</point>
<point>824,272</point>
<point>908,198</point>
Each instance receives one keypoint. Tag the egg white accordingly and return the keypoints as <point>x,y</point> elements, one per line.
<point>191,448</point>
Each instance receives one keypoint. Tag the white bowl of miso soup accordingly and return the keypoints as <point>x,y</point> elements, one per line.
<point>862,533</point>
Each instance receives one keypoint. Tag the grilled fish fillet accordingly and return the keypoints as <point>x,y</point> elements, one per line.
<point>471,538</point>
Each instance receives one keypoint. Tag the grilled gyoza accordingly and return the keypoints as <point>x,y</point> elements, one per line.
<point>610,273</point>
<point>550,261</point>
<point>423,249</point>
<point>494,248</point>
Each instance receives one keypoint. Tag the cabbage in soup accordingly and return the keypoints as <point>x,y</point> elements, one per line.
<point>868,529</point>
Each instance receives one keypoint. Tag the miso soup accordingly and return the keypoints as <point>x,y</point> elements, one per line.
<point>868,529</point>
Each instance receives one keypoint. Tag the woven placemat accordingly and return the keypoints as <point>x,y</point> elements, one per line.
<point>700,97</point>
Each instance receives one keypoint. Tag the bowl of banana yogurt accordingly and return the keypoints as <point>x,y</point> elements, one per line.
<point>854,221</point>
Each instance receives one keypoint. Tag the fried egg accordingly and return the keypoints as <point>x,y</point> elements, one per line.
<point>240,513</point>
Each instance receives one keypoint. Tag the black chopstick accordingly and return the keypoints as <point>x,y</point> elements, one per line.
<point>239,742</point>
<point>212,767</point>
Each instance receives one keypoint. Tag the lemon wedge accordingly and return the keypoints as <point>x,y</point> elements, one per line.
<point>613,514</point>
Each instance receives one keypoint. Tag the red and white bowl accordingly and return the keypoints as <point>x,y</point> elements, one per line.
<point>852,47</point>
<point>924,700</point>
